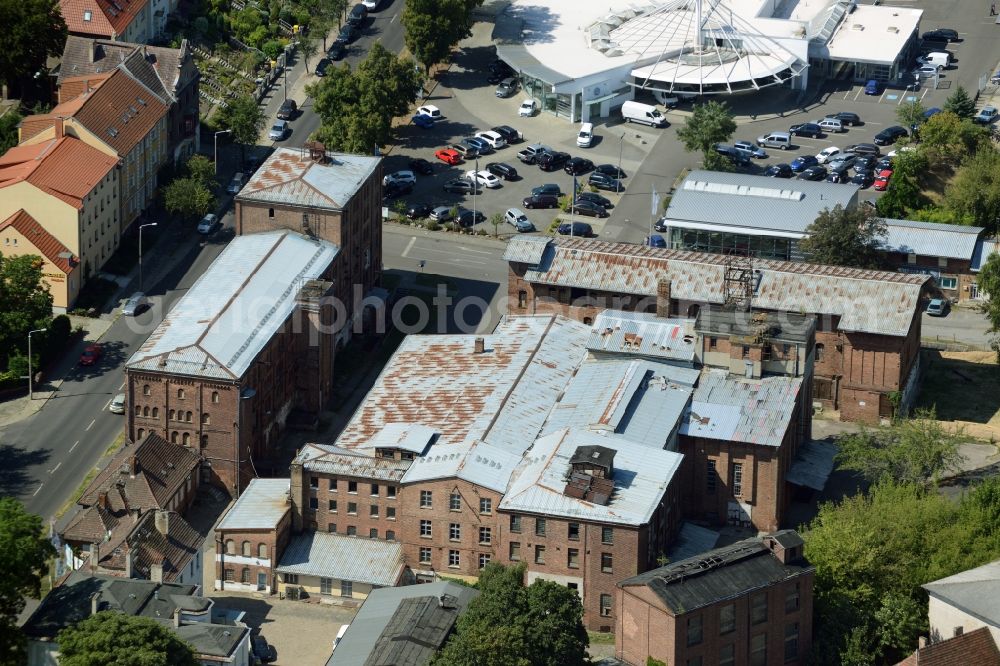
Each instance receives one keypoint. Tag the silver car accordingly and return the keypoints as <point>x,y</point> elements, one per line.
<point>117,404</point>
<point>135,304</point>
<point>278,131</point>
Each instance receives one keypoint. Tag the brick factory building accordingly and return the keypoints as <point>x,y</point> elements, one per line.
<point>251,537</point>
<point>867,322</point>
<point>249,347</point>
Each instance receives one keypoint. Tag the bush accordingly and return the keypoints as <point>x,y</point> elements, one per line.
<point>431,225</point>
<point>58,335</point>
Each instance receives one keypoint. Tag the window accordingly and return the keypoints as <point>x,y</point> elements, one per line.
<point>156,412</point>
<point>373,511</point>
<point>425,555</point>
<point>746,351</point>
<point>262,551</point>
<point>142,432</point>
<point>573,531</point>
<point>485,505</point>
<point>352,487</point>
<point>230,547</point>
<point>605,605</point>
<point>292,579</point>
<point>911,258</point>
<point>694,630</point>
<point>425,499</point>
<point>710,477</point>
<point>352,508</point>
<point>245,576</point>
<point>522,298</point>
<point>390,492</point>
<point>390,513</point>
<point>390,535</point>
<point>230,575</point>
<point>215,397</point>
<point>373,533</point>
<point>270,212</point>
<point>607,562</point>
<point>819,351</point>
<point>792,599</point>
<point>727,619</point>
<point>539,554</point>
<point>346,588</point>
<point>331,528</point>
<point>727,655</point>
<point>454,532</point>
<point>186,439</point>
<point>145,389</point>
<point>791,641</point>
<point>205,418</point>
<point>145,411</point>
<point>693,661</point>
<point>246,549</point>
<point>948,282</point>
<point>180,393</point>
<point>485,535</point>
<point>314,482</point>
<point>204,441</point>
<point>425,528</point>
<point>374,492</point>
<point>573,558</point>
<point>713,343</point>
<point>454,502</point>
<point>758,650</point>
<point>453,558</point>
<point>766,352</point>
<point>484,559</point>
<point>515,551</point>
<point>607,535</point>
<point>332,485</point>
<point>539,527</point>
<point>352,530</point>
<point>758,608</point>
<point>515,524</point>
<point>737,479</point>
<point>313,503</point>
<point>332,506</point>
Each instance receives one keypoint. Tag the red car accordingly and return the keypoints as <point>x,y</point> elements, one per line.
<point>448,156</point>
<point>90,355</point>
<point>882,179</point>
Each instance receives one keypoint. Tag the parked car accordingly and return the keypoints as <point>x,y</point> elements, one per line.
<point>449,156</point>
<point>587,208</point>
<point>421,166</point>
<point>117,404</point>
<point>236,184</point>
<point>469,218</point>
<point>430,111</point>
<point>530,154</point>
<point>494,139</point>
<point>846,117</point>
<point>502,170</point>
<point>864,179</point>
<point>986,115</point>
<point>399,177</point>
<point>940,35</point>
<point>595,198</point>
<point>827,154</point>
<point>872,87</point>
<point>528,108</point>
<point>484,178</point>
<point>337,51</point>
<point>552,161</point>
<point>287,109</point>
<point>938,307</point>
<point>422,121</point>
<point>441,213</point>
<point>348,33</point>
<point>806,129</point>
<point>547,188</point>
<point>828,125</point>
<point>279,130</point>
<point>396,189</point>
<point>842,161</point>
<point>575,229</point>
<point>481,146</point>
<point>516,218</point>
<point>865,163</point>
<point>815,172</point>
<point>416,211</point>
<point>734,155</point>
<point>461,186</point>
<point>882,179</point>
<point>321,67</point>
<point>136,304</point>
<point>838,175</point>
<point>803,162</point>
<point>654,240</point>
<point>611,170</point>
<point>604,182</point>
<point>466,150</point>
<point>577,165</point>
<point>507,87</point>
<point>208,224</point>
<point>266,653</point>
<point>509,134</point>
<point>883,163</point>
<point>541,201</point>
<point>752,149</point>
<point>926,71</point>
<point>779,171</point>
<point>863,149</point>
<point>91,354</point>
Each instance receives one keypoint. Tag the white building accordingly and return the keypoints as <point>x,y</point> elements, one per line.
<point>965,602</point>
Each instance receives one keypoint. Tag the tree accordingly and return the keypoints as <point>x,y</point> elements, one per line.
<point>8,130</point>
<point>913,450</point>
<point>961,104</point>
<point>952,139</point>
<point>845,237</point>
<point>509,624</point>
<point>973,196</point>
<point>904,193</point>
<point>110,637</point>
<point>309,48</point>
<point>201,169</point>
<point>188,198</point>
<point>33,31</point>
<point>433,27</point>
<point>244,117</point>
<point>988,282</point>
<point>707,125</point>
<point>24,555</point>
<point>496,220</point>
<point>25,301</point>
<point>910,114</point>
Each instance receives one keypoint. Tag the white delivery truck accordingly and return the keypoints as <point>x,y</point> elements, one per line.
<point>647,114</point>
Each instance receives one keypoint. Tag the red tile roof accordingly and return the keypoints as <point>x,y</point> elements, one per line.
<point>56,253</point>
<point>107,18</point>
<point>66,168</point>
<point>974,648</point>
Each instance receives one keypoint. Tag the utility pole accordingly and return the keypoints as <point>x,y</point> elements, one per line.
<point>31,379</point>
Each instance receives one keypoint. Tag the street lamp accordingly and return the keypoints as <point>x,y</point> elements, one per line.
<point>621,144</point>
<point>31,388</point>
<point>475,186</point>
<point>215,157</point>
<point>244,394</point>
<point>141,227</point>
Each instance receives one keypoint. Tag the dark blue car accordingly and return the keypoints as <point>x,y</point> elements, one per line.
<point>872,87</point>
<point>803,162</point>
<point>656,240</point>
<point>425,121</point>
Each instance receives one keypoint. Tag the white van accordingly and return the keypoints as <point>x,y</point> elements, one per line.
<point>779,140</point>
<point>586,135</point>
<point>940,59</point>
<point>647,114</point>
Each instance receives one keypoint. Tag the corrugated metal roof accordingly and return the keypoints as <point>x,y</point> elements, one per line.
<point>866,301</point>
<point>261,506</point>
<point>692,540</point>
<point>328,459</point>
<point>482,464</point>
<point>289,176</point>
<point>931,240</point>
<point>755,411</point>
<point>641,476</point>
<point>643,334</point>
<point>220,325</point>
<point>528,249</point>
<point>763,203</point>
<point>328,555</point>
<point>813,465</point>
<point>407,436</point>
<point>984,248</point>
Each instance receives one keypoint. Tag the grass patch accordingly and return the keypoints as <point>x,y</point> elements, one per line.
<point>962,386</point>
<point>87,480</point>
<point>601,638</point>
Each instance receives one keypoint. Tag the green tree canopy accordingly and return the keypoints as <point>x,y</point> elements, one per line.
<point>244,117</point>
<point>24,555</point>
<point>188,198</point>
<point>8,130</point>
<point>845,237</point>
<point>988,281</point>
<point>432,27</point>
<point>509,624</point>
<point>910,113</point>
<point>111,638</point>
<point>25,302</point>
<point>308,47</point>
<point>951,139</point>
<point>201,169</point>
<point>960,104</point>
<point>904,193</point>
<point>708,124</point>
<point>973,196</point>
<point>33,31</point>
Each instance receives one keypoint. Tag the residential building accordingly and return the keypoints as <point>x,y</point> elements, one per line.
<point>965,602</point>
<point>217,639</point>
<point>403,626</point>
<point>747,603</point>
<point>317,564</point>
<point>976,647</point>
<point>120,20</point>
<point>59,201</point>
<point>251,537</point>
<point>148,477</point>
<point>867,340</point>
<point>334,197</point>
<point>123,118</point>
<point>170,73</point>
<point>246,351</point>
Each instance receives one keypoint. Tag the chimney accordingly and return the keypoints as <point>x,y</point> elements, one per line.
<point>133,466</point>
<point>102,499</point>
<point>162,520</point>
<point>177,618</point>
<point>95,603</point>
<point>59,128</point>
<point>129,563</point>
<point>95,556</point>
<point>156,574</point>
<point>921,642</point>
<point>480,346</point>
<point>663,298</point>
<point>92,51</point>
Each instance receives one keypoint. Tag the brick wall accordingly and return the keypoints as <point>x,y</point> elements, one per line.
<point>350,505</point>
<point>233,567</point>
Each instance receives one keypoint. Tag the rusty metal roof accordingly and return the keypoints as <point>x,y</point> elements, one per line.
<point>328,459</point>
<point>866,301</point>
<point>290,176</point>
<point>643,334</point>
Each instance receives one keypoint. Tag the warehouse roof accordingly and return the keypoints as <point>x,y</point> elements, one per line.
<point>327,459</point>
<point>930,239</point>
<point>866,301</point>
<point>291,176</point>
<point>643,334</point>
<point>974,591</point>
<point>228,316</point>
<point>261,506</point>
<point>327,555</point>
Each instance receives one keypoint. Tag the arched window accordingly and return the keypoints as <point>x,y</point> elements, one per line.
<point>180,393</point>
<point>262,551</point>
<point>819,350</point>
<point>139,433</point>
<point>205,419</point>
<point>171,415</point>
<point>187,417</point>
<point>588,321</point>
<point>245,576</point>
<point>246,549</point>
<point>186,439</point>
<point>145,389</point>
<point>215,396</point>
<point>204,441</point>
<point>156,412</point>
<point>138,410</point>
<point>230,547</point>
<point>145,411</point>
<point>173,437</point>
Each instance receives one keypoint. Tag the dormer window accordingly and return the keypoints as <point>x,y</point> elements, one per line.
<point>87,15</point>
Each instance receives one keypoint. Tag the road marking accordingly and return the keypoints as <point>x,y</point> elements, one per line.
<point>58,465</point>
<point>409,246</point>
<point>74,446</point>
<point>107,403</point>
<point>122,386</point>
<point>90,426</point>
<point>393,19</point>
<point>469,249</point>
<point>37,489</point>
